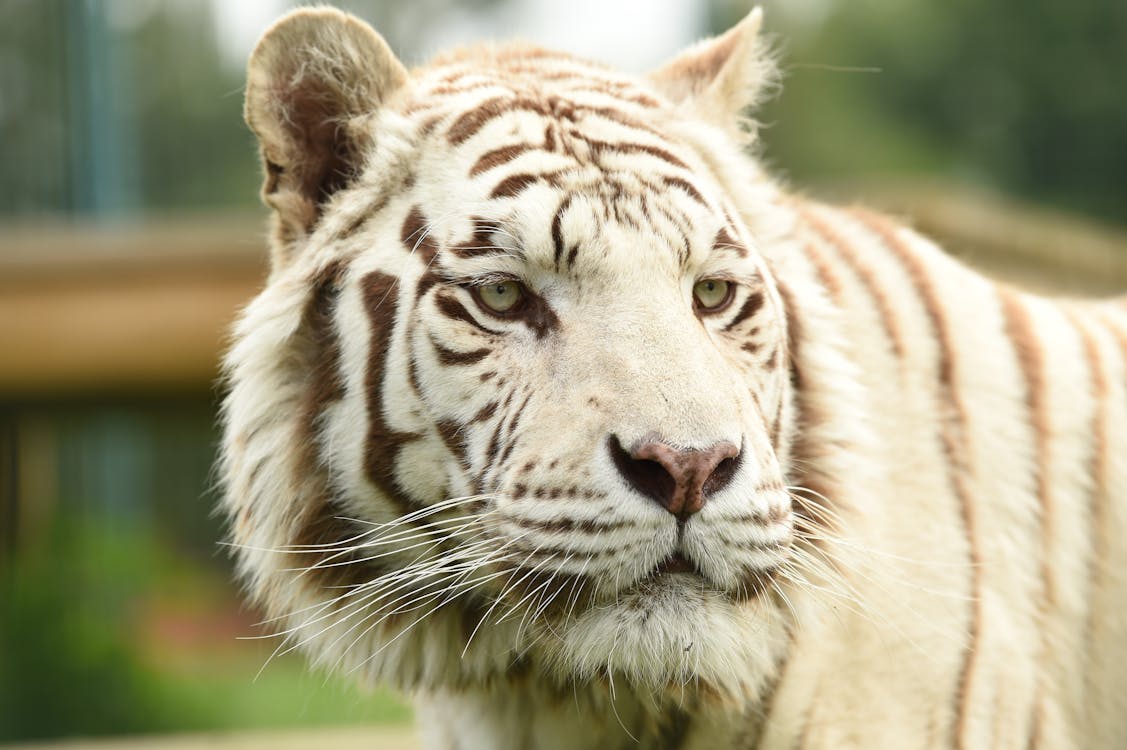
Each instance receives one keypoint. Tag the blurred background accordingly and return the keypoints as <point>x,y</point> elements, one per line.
<point>130,233</point>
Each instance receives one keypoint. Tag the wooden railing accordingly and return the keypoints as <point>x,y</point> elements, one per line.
<point>365,738</point>
<point>121,307</point>
<point>1038,248</point>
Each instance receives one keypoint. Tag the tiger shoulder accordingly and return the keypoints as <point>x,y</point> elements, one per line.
<point>558,414</point>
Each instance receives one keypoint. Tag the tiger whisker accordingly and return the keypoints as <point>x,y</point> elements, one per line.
<point>531,571</point>
<point>541,603</point>
<point>403,632</point>
<point>428,540</point>
<point>497,600</point>
<point>412,571</point>
<point>428,510</point>
<point>429,543</point>
<point>352,542</point>
<point>412,605</point>
<point>381,590</point>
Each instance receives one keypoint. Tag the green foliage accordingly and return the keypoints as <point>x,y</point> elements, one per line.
<point>1023,96</point>
<point>117,110</point>
<point>68,665</point>
<point>73,662</point>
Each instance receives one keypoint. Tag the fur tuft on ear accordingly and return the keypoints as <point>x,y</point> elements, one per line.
<point>311,76</point>
<point>721,78</point>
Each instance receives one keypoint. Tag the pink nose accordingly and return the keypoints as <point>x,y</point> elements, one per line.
<point>678,480</point>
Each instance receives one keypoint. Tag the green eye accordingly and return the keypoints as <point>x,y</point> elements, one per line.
<point>501,296</point>
<point>712,294</point>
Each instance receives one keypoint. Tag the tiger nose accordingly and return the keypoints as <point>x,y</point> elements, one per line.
<point>680,480</point>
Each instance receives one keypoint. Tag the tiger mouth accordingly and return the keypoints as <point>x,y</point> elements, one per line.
<point>753,585</point>
<point>675,563</point>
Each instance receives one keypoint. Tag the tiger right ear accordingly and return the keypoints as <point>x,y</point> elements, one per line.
<point>722,77</point>
<point>309,79</point>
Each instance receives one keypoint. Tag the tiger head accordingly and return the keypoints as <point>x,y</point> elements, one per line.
<point>518,391</point>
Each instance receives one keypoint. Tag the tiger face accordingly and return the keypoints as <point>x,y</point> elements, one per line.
<point>520,366</point>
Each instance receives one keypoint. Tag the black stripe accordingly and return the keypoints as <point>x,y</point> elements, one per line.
<point>454,357</point>
<point>514,185</point>
<point>557,230</point>
<point>750,306</point>
<point>498,156</point>
<point>382,443</point>
<point>449,306</point>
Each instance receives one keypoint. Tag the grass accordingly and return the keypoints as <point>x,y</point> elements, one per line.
<point>108,632</point>
<point>284,695</point>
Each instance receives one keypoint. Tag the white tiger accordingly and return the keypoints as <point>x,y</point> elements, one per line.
<point>559,414</point>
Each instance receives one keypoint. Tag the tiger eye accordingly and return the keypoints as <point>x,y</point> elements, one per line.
<point>712,294</point>
<point>501,296</point>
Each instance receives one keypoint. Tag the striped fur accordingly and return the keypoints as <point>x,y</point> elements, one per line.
<point>915,547</point>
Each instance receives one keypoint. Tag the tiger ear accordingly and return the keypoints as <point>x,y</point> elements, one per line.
<point>722,77</point>
<point>310,79</point>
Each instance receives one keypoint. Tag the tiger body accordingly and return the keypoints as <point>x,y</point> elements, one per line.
<point>910,541</point>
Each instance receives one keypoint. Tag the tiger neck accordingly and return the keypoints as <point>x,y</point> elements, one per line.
<point>533,715</point>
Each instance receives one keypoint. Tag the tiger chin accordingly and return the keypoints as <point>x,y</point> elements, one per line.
<point>559,414</point>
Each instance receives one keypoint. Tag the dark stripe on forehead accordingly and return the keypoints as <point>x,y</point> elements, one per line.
<point>416,236</point>
<point>825,273</point>
<point>687,187</point>
<point>499,156</point>
<point>480,242</point>
<point>625,147</point>
<point>617,116</point>
<point>725,241</point>
<point>461,88</point>
<point>1021,330</point>
<point>557,229</point>
<point>515,184</point>
<point>382,443</point>
<point>470,123</point>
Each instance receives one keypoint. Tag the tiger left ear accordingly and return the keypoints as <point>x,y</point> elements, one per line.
<point>311,80</point>
<point>721,77</point>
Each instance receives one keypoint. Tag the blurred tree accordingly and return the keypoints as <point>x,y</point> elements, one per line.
<point>127,107</point>
<point>1025,96</point>
<point>69,664</point>
<point>195,150</point>
<point>34,169</point>
<point>108,108</point>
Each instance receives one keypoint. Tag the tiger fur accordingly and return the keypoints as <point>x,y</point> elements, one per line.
<point>489,440</point>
